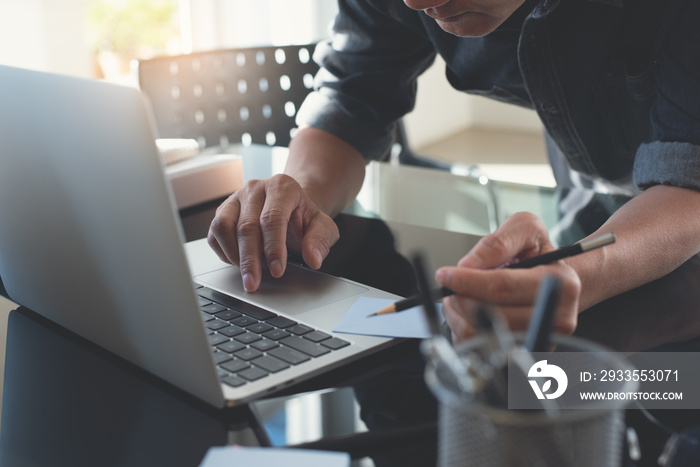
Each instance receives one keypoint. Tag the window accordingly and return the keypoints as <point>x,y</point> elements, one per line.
<point>99,38</point>
<point>119,31</point>
<point>241,23</point>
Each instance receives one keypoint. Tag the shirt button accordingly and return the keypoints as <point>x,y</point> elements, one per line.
<point>548,108</point>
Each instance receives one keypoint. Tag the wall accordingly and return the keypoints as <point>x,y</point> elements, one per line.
<point>441,111</point>
<point>44,35</point>
<point>242,23</point>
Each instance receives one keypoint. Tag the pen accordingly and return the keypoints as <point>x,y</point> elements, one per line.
<point>537,336</point>
<point>437,346</point>
<point>564,252</point>
<point>498,345</point>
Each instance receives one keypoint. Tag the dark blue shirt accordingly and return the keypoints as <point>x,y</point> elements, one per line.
<point>616,83</point>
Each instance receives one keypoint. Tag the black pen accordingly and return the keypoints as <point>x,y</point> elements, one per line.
<point>542,319</point>
<point>547,258</point>
<point>437,348</point>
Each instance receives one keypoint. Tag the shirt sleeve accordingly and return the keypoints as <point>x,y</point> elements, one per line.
<point>368,74</point>
<point>672,156</point>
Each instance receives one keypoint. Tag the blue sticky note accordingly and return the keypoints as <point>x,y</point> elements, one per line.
<point>229,456</point>
<point>409,323</point>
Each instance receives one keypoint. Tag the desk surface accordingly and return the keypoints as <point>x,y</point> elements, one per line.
<point>69,403</point>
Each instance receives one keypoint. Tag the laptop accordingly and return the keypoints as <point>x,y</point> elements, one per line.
<point>90,238</point>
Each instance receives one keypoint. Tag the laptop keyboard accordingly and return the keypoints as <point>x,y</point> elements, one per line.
<point>250,343</point>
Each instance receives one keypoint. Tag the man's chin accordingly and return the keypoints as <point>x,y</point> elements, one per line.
<point>470,24</point>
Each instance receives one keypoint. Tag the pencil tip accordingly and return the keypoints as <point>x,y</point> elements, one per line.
<point>390,309</point>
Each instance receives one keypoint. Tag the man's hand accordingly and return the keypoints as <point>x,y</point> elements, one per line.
<point>264,218</point>
<point>479,277</point>
<point>260,221</point>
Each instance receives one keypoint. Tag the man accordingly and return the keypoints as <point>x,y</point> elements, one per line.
<point>615,83</point>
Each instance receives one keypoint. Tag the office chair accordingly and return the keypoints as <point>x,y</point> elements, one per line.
<point>248,95</point>
<point>251,96</point>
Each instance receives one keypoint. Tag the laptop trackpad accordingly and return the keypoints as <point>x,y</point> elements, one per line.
<point>299,290</point>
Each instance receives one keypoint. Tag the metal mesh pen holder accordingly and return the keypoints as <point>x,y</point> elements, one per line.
<point>475,433</point>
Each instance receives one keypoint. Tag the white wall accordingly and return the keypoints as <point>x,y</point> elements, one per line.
<point>44,35</point>
<point>243,23</point>
<point>494,114</point>
<point>442,111</point>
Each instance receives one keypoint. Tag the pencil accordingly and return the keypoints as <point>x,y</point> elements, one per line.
<point>547,258</point>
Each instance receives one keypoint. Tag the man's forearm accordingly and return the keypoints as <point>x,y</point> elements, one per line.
<point>657,231</point>
<point>329,170</point>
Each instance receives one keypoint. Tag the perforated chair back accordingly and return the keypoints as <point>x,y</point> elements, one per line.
<point>248,95</point>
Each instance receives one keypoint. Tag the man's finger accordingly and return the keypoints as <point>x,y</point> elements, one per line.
<point>222,231</point>
<point>501,286</point>
<point>283,198</point>
<point>249,237</point>
<point>522,235</point>
<point>321,234</point>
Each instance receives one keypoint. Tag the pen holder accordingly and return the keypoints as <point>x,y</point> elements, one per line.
<point>475,430</point>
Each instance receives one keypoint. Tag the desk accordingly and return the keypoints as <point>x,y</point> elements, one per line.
<point>69,403</point>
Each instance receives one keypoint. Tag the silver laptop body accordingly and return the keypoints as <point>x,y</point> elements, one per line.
<point>90,238</point>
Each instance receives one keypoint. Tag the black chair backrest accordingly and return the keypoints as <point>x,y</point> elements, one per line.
<point>248,95</point>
